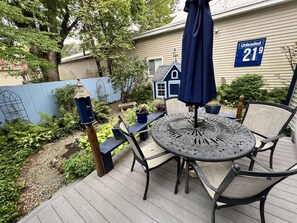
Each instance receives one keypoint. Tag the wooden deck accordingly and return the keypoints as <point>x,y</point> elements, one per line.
<point>117,197</point>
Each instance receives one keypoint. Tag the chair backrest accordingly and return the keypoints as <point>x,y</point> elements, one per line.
<point>132,141</point>
<point>266,118</point>
<point>246,184</point>
<point>173,105</point>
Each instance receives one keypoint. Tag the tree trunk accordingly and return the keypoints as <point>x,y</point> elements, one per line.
<point>99,67</point>
<point>109,65</point>
<point>53,72</point>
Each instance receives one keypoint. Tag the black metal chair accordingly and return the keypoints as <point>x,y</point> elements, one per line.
<point>267,121</point>
<point>228,186</point>
<point>173,105</point>
<point>150,156</point>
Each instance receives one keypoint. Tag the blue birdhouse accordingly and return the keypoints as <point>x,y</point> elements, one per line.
<point>166,81</point>
<point>83,103</point>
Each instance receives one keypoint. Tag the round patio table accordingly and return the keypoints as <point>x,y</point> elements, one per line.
<point>216,139</point>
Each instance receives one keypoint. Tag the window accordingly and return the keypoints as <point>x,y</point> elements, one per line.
<point>174,74</point>
<point>153,65</point>
<point>161,90</point>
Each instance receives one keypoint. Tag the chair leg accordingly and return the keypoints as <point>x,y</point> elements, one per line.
<point>213,212</point>
<point>251,167</point>
<point>271,158</point>
<point>179,175</point>
<point>147,184</point>
<point>133,163</point>
<point>187,178</point>
<point>262,206</point>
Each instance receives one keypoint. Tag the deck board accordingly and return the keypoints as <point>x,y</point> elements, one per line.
<point>117,196</point>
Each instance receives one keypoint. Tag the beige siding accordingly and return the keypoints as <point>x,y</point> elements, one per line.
<point>277,24</point>
<point>86,68</point>
<point>160,46</point>
<point>6,80</point>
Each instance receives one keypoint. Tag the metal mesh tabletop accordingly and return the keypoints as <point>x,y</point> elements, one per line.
<point>215,139</point>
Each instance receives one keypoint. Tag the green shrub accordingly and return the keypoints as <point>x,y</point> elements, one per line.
<point>65,97</point>
<point>101,111</point>
<point>80,164</point>
<point>278,95</point>
<point>142,94</point>
<point>249,85</point>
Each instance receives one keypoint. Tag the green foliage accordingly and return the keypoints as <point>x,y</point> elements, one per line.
<point>106,22</point>
<point>158,13</point>
<point>19,34</point>
<point>79,165</point>
<point>128,74</point>
<point>278,95</point>
<point>143,93</point>
<point>70,49</point>
<point>130,116</point>
<point>18,140</point>
<point>152,14</point>
<point>249,85</point>
<point>101,111</point>
<point>65,97</point>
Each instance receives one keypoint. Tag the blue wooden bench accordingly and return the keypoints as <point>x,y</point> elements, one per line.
<point>110,144</point>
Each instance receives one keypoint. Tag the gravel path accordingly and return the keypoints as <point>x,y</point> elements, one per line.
<point>42,180</point>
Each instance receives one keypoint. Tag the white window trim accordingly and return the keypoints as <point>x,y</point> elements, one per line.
<point>172,82</point>
<point>153,58</point>
<point>157,89</point>
<point>174,71</point>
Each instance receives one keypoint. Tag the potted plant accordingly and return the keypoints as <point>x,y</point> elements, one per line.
<point>158,105</point>
<point>142,113</point>
<point>213,107</point>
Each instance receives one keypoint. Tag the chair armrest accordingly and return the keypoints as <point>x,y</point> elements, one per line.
<point>271,139</point>
<point>156,156</point>
<point>260,163</point>
<point>202,176</point>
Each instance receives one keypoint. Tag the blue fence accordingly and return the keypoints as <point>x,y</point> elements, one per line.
<point>40,97</point>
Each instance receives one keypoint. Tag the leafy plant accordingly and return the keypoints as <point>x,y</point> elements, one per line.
<point>65,97</point>
<point>142,94</point>
<point>80,164</point>
<point>128,73</point>
<point>158,105</point>
<point>278,95</point>
<point>249,85</point>
<point>101,111</point>
<point>143,108</point>
<point>213,103</point>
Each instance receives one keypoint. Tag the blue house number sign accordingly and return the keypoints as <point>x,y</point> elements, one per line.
<point>249,53</point>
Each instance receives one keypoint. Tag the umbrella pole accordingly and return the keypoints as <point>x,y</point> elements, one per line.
<point>195,116</point>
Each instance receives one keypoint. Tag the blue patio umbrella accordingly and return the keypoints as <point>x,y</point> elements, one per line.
<point>197,85</point>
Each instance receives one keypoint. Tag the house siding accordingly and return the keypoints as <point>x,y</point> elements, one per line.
<point>275,23</point>
<point>85,68</point>
<point>160,46</point>
<point>6,80</point>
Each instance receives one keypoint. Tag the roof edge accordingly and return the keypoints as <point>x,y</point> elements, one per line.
<point>232,12</point>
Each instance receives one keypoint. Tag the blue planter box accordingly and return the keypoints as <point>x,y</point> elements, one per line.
<point>215,109</point>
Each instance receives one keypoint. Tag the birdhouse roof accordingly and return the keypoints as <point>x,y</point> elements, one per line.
<point>163,70</point>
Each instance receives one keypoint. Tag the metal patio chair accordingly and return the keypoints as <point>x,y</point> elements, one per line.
<point>267,121</point>
<point>228,186</point>
<point>173,105</point>
<point>150,156</point>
